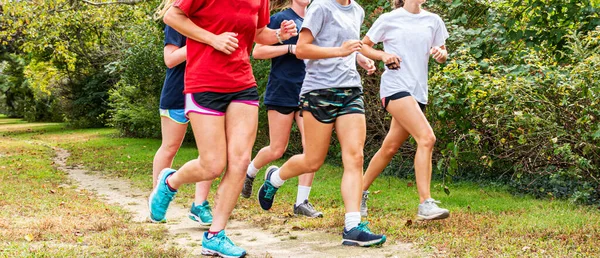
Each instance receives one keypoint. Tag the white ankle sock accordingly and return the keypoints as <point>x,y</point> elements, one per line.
<point>252,171</point>
<point>276,180</point>
<point>352,220</point>
<point>303,192</point>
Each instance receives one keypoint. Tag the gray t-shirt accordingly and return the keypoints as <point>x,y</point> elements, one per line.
<point>411,37</point>
<point>331,24</point>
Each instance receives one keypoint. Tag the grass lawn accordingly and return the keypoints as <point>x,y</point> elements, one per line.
<point>42,216</point>
<point>485,220</point>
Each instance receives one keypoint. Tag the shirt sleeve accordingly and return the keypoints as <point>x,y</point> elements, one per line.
<point>314,19</point>
<point>275,22</point>
<point>441,34</point>
<point>263,14</point>
<point>377,31</point>
<point>188,7</point>
<point>173,37</point>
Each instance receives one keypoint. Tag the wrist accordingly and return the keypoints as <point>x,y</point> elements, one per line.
<point>278,36</point>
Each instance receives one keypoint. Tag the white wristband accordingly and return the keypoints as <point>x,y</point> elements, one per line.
<point>278,36</point>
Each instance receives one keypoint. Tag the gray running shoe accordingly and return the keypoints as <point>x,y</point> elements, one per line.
<point>428,210</point>
<point>247,190</point>
<point>363,204</point>
<point>307,210</point>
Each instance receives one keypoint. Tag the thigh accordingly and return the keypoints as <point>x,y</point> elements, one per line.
<point>409,115</point>
<point>395,136</point>
<point>172,132</point>
<point>351,132</point>
<point>280,126</point>
<point>300,124</point>
<point>209,132</point>
<point>241,121</point>
<point>317,137</point>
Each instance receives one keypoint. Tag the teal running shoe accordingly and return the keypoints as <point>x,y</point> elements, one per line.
<point>160,197</point>
<point>362,236</point>
<point>266,193</point>
<point>201,213</point>
<point>221,245</point>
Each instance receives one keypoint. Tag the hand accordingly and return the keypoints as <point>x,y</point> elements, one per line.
<point>391,61</point>
<point>366,63</point>
<point>226,42</point>
<point>287,30</point>
<point>439,54</point>
<point>349,47</point>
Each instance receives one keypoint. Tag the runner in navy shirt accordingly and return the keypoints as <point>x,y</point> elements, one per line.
<point>173,120</point>
<point>282,100</point>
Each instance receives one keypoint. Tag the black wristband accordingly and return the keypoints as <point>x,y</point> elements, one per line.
<point>289,49</point>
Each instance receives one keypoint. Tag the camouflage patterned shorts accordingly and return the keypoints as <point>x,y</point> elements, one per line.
<point>328,104</point>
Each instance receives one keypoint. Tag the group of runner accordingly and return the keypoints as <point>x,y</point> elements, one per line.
<point>313,81</point>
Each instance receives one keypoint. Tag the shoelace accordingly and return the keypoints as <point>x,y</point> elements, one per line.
<point>224,239</point>
<point>363,227</point>
<point>169,196</point>
<point>207,210</point>
<point>271,190</point>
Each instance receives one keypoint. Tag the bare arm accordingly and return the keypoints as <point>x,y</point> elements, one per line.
<point>305,49</point>
<point>225,42</point>
<point>174,55</point>
<point>267,36</point>
<point>390,60</point>
<point>267,52</point>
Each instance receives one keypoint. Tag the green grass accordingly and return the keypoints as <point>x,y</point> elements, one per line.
<point>485,220</point>
<point>43,216</point>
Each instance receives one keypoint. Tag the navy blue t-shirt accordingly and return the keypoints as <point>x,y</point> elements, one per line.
<point>172,96</point>
<point>287,71</point>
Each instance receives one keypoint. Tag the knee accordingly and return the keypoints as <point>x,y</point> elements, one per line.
<point>277,151</point>
<point>213,168</point>
<point>313,165</point>
<point>355,158</point>
<point>390,150</point>
<point>170,149</point>
<point>238,163</point>
<point>427,140</point>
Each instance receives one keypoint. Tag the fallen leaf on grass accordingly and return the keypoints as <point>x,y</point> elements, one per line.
<point>409,184</point>
<point>296,228</point>
<point>52,191</point>
<point>408,223</point>
<point>377,192</point>
<point>525,248</point>
<point>29,237</point>
<point>77,233</point>
<point>446,190</point>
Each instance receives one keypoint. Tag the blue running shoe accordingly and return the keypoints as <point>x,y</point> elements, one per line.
<point>362,236</point>
<point>221,245</point>
<point>201,213</point>
<point>160,197</point>
<point>266,193</point>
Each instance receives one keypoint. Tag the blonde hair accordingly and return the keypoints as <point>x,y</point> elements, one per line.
<point>162,9</point>
<point>280,4</point>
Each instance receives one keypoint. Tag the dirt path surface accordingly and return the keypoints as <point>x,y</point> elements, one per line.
<point>187,234</point>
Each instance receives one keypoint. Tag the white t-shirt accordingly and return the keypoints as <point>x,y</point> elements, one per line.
<point>411,37</point>
<point>331,24</point>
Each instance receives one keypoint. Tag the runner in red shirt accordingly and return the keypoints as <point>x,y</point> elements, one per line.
<point>221,103</point>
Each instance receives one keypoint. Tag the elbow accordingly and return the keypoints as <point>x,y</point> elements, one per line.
<point>257,54</point>
<point>168,18</point>
<point>301,51</point>
<point>169,63</point>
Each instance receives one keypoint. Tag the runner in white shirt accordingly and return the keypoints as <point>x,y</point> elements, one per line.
<point>410,35</point>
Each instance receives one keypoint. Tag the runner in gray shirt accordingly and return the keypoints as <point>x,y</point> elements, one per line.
<point>331,97</point>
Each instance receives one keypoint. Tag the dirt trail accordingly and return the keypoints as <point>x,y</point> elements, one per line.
<point>187,234</point>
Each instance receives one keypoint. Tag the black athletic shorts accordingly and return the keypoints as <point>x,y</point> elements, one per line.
<point>283,110</point>
<point>386,100</point>
<point>216,103</point>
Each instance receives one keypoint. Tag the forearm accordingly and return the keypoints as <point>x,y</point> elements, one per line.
<point>370,52</point>
<point>178,21</point>
<point>268,52</point>
<point>311,51</point>
<point>266,36</point>
<point>175,57</point>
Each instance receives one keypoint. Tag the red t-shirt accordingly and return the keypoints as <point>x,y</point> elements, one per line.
<point>211,70</point>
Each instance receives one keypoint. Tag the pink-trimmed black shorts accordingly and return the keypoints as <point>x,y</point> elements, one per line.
<point>215,103</point>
